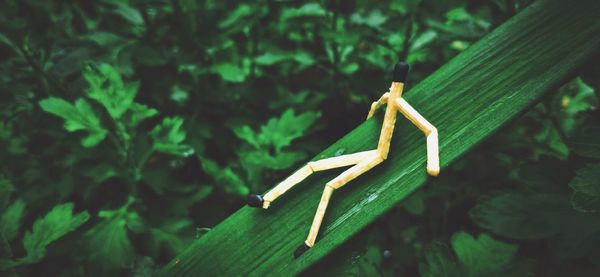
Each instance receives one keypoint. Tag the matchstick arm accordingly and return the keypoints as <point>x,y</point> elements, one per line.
<point>377,104</point>
<point>433,160</point>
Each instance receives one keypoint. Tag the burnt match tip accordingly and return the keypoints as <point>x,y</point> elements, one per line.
<point>300,250</point>
<point>400,72</point>
<point>254,200</point>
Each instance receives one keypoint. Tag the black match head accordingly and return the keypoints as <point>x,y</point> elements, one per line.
<point>300,250</point>
<point>255,200</point>
<point>400,72</point>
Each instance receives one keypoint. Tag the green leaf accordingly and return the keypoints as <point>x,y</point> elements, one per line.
<point>242,11</point>
<point>271,58</point>
<point>78,117</point>
<point>521,215</point>
<point>107,87</point>
<point>129,13</point>
<point>179,95</point>
<point>458,14</point>
<point>55,224</point>
<point>278,132</point>
<point>139,113</point>
<point>108,243</point>
<point>581,98</point>
<point>10,220</point>
<point>585,141</point>
<point>100,172</point>
<point>374,19</point>
<point>415,204</point>
<point>440,262</point>
<point>404,6</point>
<point>483,256</point>
<point>423,40</point>
<point>6,40</point>
<point>168,137</point>
<point>305,59</point>
<point>587,180</point>
<point>577,99</point>
<point>278,161</point>
<point>6,189</point>
<point>230,72</point>
<point>168,236</point>
<point>586,189</point>
<point>103,38</point>
<point>306,10</point>
<point>226,178</point>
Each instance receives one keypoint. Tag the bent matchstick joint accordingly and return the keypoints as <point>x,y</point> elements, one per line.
<point>360,162</point>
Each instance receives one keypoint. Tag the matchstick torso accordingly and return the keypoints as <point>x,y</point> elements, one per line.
<point>389,120</point>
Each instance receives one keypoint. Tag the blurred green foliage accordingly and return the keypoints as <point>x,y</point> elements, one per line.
<point>128,127</point>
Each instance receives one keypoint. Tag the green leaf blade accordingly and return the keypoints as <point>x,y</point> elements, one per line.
<point>10,220</point>
<point>55,224</point>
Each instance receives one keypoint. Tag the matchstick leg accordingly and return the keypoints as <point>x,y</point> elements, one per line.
<point>332,185</point>
<point>255,200</point>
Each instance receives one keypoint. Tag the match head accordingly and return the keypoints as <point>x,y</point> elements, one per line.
<point>300,250</point>
<point>255,200</point>
<point>400,72</point>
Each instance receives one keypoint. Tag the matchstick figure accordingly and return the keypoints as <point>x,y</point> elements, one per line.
<point>361,162</point>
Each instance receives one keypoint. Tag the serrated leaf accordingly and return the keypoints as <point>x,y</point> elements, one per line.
<point>482,256</point>
<point>77,117</point>
<point>55,224</point>
<point>108,242</point>
<point>587,180</point>
<point>586,188</point>
<point>225,178</point>
<point>585,203</point>
<point>168,137</point>
<point>10,220</point>
<point>107,87</point>
<point>531,216</point>
<point>439,261</point>
<point>139,113</point>
<point>278,132</point>
<point>521,215</point>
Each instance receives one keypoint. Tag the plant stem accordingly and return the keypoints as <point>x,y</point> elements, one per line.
<point>37,67</point>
